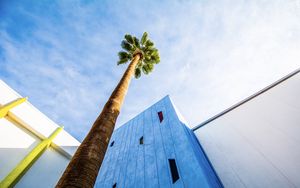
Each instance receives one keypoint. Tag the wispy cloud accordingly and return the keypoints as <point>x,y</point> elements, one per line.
<point>213,54</point>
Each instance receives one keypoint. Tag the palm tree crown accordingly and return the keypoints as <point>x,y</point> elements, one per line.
<point>145,48</point>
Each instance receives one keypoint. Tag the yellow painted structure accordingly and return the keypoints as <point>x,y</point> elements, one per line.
<point>34,150</point>
<point>4,109</point>
<point>12,178</point>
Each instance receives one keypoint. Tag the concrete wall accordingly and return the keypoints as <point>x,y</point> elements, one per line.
<point>130,164</point>
<point>257,143</point>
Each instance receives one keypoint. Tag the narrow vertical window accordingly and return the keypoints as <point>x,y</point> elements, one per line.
<point>112,143</point>
<point>160,115</point>
<point>142,140</point>
<point>114,185</point>
<point>174,170</point>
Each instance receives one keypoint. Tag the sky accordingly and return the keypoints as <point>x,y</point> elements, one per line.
<point>63,54</point>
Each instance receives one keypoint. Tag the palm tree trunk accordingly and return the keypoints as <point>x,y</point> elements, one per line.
<point>84,166</point>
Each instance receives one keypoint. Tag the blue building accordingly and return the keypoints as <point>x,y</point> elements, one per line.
<point>156,149</point>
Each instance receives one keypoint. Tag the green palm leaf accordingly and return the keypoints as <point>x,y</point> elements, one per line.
<point>129,39</point>
<point>137,73</point>
<point>122,61</point>
<point>144,38</point>
<point>149,44</point>
<point>136,42</point>
<point>126,46</point>
<point>123,55</point>
<point>145,69</point>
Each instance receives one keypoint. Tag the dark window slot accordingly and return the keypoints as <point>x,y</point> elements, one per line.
<point>160,115</point>
<point>112,143</point>
<point>114,185</point>
<point>142,140</point>
<point>174,170</point>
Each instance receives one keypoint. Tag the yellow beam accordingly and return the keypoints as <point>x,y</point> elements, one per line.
<point>13,177</point>
<point>4,109</point>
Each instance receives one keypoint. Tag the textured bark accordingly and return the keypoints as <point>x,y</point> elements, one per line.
<point>84,166</point>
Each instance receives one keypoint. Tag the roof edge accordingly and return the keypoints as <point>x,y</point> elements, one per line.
<point>247,99</point>
<point>136,115</point>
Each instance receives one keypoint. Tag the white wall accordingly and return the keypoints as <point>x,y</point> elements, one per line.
<point>257,144</point>
<point>15,143</point>
<point>45,172</point>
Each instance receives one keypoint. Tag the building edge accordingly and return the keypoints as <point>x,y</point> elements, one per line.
<point>246,99</point>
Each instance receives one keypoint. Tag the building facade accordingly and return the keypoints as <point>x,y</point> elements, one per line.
<point>156,149</point>
<point>251,144</point>
<point>255,143</point>
<point>34,151</point>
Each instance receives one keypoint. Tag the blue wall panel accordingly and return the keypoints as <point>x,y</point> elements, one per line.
<point>140,161</point>
<point>162,164</point>
<point>151,176</point>
<point>124,161</point>
<point>188,164</point>
<point>168,140</point>
<point>130,164</point>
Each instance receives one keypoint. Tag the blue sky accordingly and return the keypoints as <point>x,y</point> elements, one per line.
<point>63,54</point>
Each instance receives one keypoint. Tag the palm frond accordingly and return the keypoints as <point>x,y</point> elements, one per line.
<point>137,73</point>
<point>136,42</point>
<point>147,61</point>
<point>145,69</point>
<point>122,61</point>
<point>126,46</point>
<point>149,44</point>
<point>154,52</point>
<point>129,39</point>
<point>150,67</point>
<point>129,56</point>
<point>147,57</point>
<point>123,55</point>
<point>156,60</point>
<point>144,38</point>
<point>140,64</point>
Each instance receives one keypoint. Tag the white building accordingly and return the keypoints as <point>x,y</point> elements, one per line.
<point>255,143</point>
<point>34,151</point>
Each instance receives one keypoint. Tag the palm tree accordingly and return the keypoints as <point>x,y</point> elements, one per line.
<point>83,168</point>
